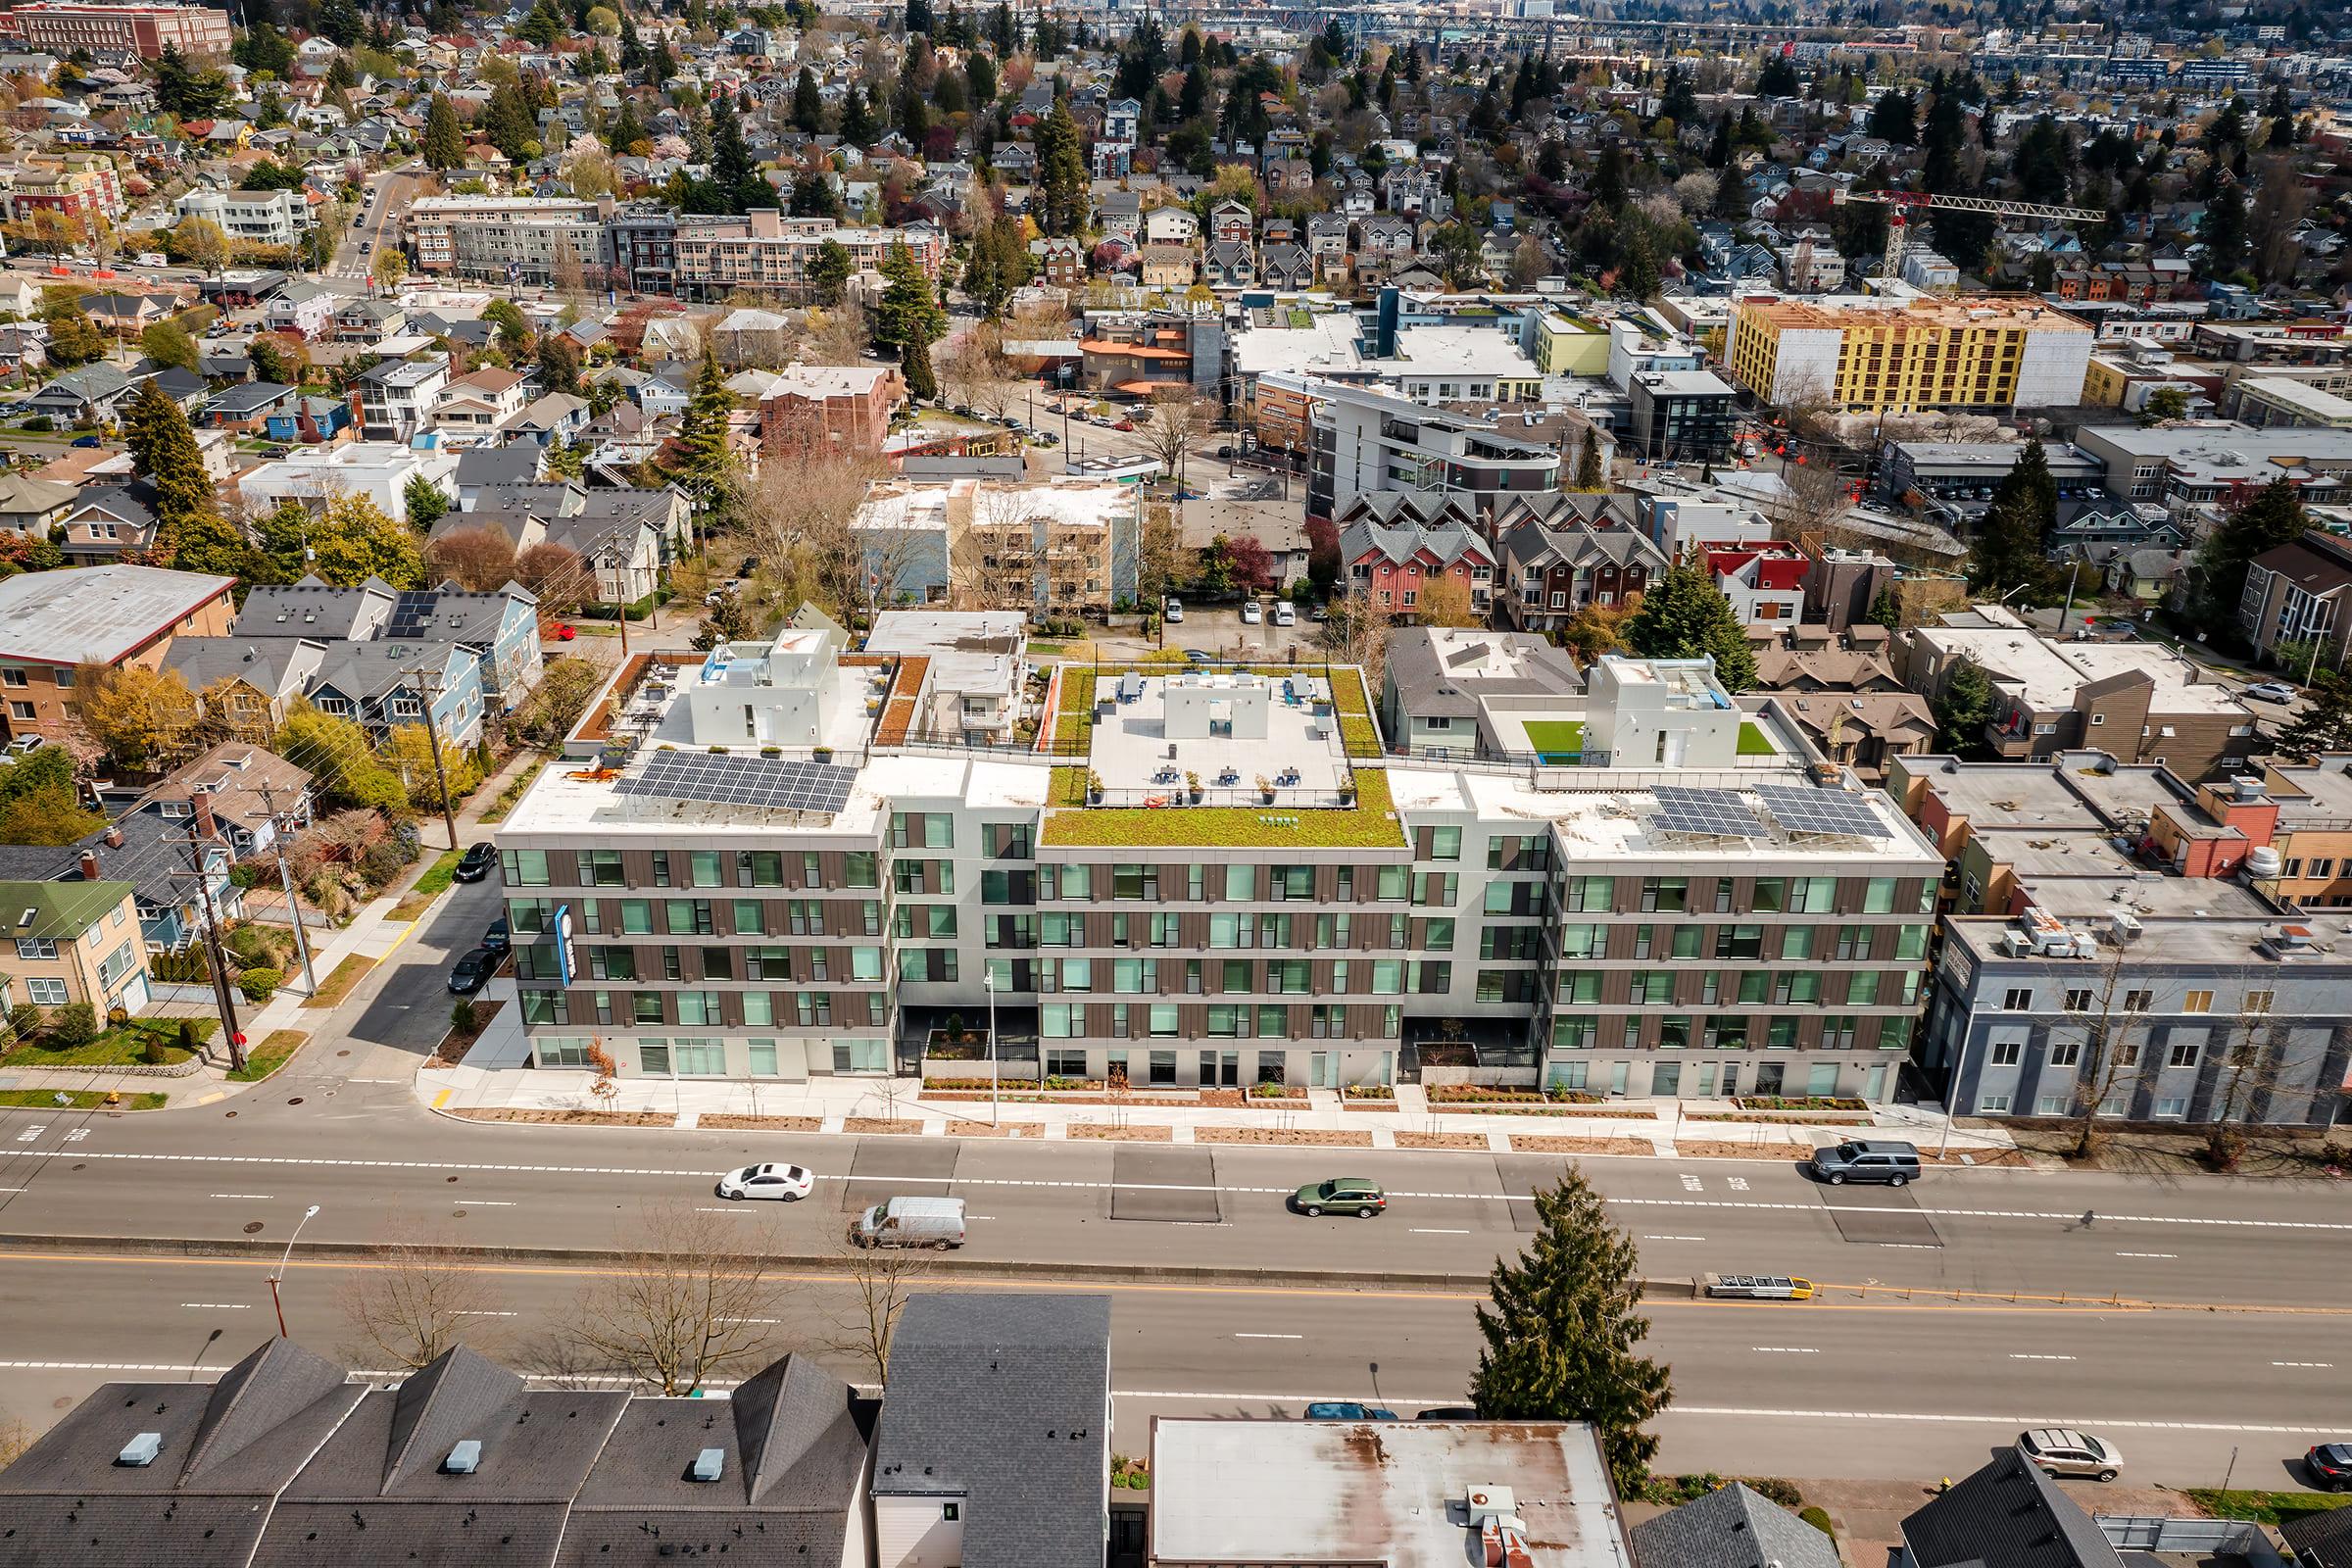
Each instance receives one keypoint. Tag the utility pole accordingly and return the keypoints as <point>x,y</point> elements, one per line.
<point>281,824</point>
<point>433,736</point>
<point>222,995</point>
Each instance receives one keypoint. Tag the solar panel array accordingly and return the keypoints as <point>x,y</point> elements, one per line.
<point>1713,814</point>
<point>769,782</point>
<point>1798,809</point>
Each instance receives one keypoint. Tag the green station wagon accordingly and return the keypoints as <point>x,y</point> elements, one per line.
<point>1347,1195</point>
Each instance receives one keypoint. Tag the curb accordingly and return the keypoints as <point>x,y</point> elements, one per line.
<point>824,1262</point>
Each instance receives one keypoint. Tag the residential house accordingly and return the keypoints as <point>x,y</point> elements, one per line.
<point>367,319</point>
<point>33,506</point>
<point>1764,580</point>
<point>1169,267</point>
<point>500,628</point>
<point>1287,265</point>
<point>157,858</point>
<point>396,398</point>
<point>1395,543</point>
<point>1231,222</point>
<point>555,419</point>
<point>2006,1515</point>
<point>1171,226</point>
<point>106,522</point>
<point>248,408</point>
<point>248,682</point>
<point>1062,262</point>
<point>1120,212</point>
<point>1560,553</point>
<point>469,409</point>
<point>1731,1526</point>
<point>252,796</point>
<point>2299,593</point>
<point>308,421</point>
<point>1229,264</point>
<point>384,685</point>
<point>88,395</point>
<point>302,308</point>
<point>73,942</point>
<point>1455,691</point>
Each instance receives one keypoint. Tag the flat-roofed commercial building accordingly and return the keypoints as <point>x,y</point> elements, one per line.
<point>1876,354</point>
<point>60,29</point>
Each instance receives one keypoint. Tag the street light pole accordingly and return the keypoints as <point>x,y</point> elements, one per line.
<point>988,983</point>
<point>281,1273</point>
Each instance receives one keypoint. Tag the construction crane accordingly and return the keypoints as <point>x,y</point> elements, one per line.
<point>1907,202</point>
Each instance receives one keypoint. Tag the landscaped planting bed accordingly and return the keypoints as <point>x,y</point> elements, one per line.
<point>729,1121</point>
<point>1812,1119</point>
<point>908,1125</point>
<point>1548,1144</point>
<point>1709,1149</point>
<point>1306,1136</point>
<point>569,1118</point>
<point>1476,1142</point>
<point>1006,1129</point>
<point>1130,1135</point>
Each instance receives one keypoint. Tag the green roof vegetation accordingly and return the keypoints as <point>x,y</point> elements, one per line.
<point>1369,824</point>
<point>1753,742</point>
<point>1556,737</point>
<point>1074,708</point>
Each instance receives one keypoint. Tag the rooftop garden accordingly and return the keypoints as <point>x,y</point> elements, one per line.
<point>1074,708</point>
<point>1368,824</point>
<point>1556,737</point>
<point>1753,742</point>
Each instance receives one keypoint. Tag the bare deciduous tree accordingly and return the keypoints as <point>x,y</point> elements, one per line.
<point>558,577</point>
<point>689,1298</point>
<point>836,336</point>
<point>416,1302</point>
<point>992,550</point>
<point>803,518</point>
<point>881,1280</point>
<point>1164,563</point>
<point>480,557</point>
<point>1814,500</point>
<point>1177,421</point>
<point>1357,633</point>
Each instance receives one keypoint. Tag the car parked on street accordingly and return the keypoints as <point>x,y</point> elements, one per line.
<point>2061,1451</point>
<point>475,864</point>
<point>1172,611</point>
<point>473,972</point>
<point>1756,1287</point>
<point>1343,1195</point>
<point>498,937</point>
<point>786,1184</point>
<point>2272,691</point>
<point>2330,1466</point>
<point>1867,1159</point>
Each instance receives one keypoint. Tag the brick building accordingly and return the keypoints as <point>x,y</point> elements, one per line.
<point>77,185</point>
<point>833,408</point>
<point>61,28</point>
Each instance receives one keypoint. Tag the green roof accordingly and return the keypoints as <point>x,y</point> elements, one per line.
<point>60,912</point>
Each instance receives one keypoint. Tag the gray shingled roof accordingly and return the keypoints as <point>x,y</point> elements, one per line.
<point>2007,1515</point>
<point>1732,1527</point>
<point>1007,1399</point>
<point>2322,1539</point>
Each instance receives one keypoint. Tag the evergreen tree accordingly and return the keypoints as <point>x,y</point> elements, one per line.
<point>1061,174</point>
<point>2030,479</point>
<point>914,363</point>
<point>705,459</point>
<point>1884,612</point>
<point>1963,710</point>
<point>2272,517</point>
<point>2325,722</point>
<point>808,107</point>
<point>908,311</point>
<point>163,451</point>
<point>733,170</point>
<point>624,131</point>
<point>980,81</point>
<point>857,126</point>
<point>444,141</point>
<point>1684,615</point>
<point>829,269</point>
<point>1562,1330</point>
<point>1193,100</point>
<point>632,50</point>
<point>1893,118</point>
<point>2225,230</point>
<point>1608,179</point>
<point>1718,150</point>
<point>1590,478</point>
<point>2014,537</point>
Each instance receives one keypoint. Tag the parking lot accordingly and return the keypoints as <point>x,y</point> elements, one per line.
<point>1218,631</point>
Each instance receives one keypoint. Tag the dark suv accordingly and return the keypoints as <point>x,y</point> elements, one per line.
<point>1867,1159</point>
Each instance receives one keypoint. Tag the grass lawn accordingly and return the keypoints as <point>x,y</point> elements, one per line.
<point>2264,1507</point>
<point>438,880</point>
<point>271,1055</point>
<point>341,983</point>
<point>82,1100</point>
<point>124,1047</point>
<point>1556,737</point>
<point>1752,742</point>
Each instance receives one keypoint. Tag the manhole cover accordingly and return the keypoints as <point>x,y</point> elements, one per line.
<point>227,1113</point>
<point>81,1165</point>
<point>296,1101</point>
<point>252,1225</point>
<point>342,1052</point>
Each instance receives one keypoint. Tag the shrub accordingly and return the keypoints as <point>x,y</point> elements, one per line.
<point>260,983</point>
<point>1819,1519</point>
<point>75,1024</point>
<point>1270,1090</point>
<point>153,1047</point>
<point>40,421</point>
<point>24,1021</point>
<point>461,1016</point>
<point>187,1040</point>
<point>245,875</point>
<point>380,862</point>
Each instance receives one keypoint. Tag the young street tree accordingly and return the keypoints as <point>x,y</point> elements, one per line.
<point>1561,1332</point>
<point>413,1303</point>
<point>881,1281</point>
<point>1175,425</point>
<point>690,1299</point>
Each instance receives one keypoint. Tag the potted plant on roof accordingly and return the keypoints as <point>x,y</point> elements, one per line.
<point>1192,786</point>
<point>1265,789</point>
<point>1093,788</point>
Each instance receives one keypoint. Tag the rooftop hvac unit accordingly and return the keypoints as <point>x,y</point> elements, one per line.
<point>1488,1502</point>
<point>710,1464</point>
<point>141,1452</point>
<point>2122,926</point>
<point>463,1459</point>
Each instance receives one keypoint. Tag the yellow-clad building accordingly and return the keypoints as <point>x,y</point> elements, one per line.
<point>1877,354</point>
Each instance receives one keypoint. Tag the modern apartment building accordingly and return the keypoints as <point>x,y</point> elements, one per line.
<point>57,28</point>
<point>1064,547</point>
<point>1210,877</point>
<point>2190,464</point>
<point>254,217</point>
<point>508,238</point>
<point>81,186</point>
<point>766,253</point>
<point>1368,441</point>
<point>1876,354</point>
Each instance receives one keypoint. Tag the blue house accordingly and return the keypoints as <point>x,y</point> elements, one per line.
<point>153,853</point>
<point>377,685</point>
<point>310,420</point>
<point>500,629</point>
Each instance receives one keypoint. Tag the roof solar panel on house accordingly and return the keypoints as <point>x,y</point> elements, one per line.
<point>1798,809</point>
<point>769,783</point>
<point>1708,813</point>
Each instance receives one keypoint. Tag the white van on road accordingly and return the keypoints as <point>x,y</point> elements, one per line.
<point>910,1222</point>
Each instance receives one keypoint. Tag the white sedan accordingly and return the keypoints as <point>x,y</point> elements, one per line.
<point>785,1182</point>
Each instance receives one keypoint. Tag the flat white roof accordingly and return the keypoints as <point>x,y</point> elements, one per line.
<point>1393,1492</point>
<point>2047,674</point>
<point>1327,343</point>
<point>1477,351</point>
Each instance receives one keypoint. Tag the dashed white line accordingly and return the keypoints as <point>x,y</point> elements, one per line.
<point>482,1312</point>
<point>253,1198</point>
<point>1423,1230</point>
<point>2321,1366</point>
<point>1786,1349</point>
<point>2017,1357</point>
<point>1674,1238</point>
<point>488,1203</point>
<point>1269,1335</point>
<point>219,1306</point>
<point>2148,1254</point>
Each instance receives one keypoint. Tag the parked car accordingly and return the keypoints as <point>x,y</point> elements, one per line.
<point>787,1184</point>
<point>475,864</point>
<point>565,631</point>
<point>1172,611</point>
<point>1347,1411</point>
<point>2059,1451</point>
<point>1318,614</point>
<point>1285,614</point>
<point>1200,656</point>
<point>1757,1287</point>
<point>2330,1466</point>
<point>1225,451</point>
<point>1253,614</point>
<point>85,441</point>
<point>1449,1412</point>
<point>500,937</point>
<point>1343,1194</point>
<point>2270,691</point>
<point>1867,1159</point>
<point>473,972</point>
<point>936,1222</point>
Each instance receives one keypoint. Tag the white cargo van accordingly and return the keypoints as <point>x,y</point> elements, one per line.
<point>910,1222</point>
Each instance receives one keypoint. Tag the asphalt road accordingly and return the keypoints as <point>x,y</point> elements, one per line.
<point>1859,1384</point>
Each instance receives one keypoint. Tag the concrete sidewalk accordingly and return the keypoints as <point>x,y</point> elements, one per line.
<point>495,1077</point>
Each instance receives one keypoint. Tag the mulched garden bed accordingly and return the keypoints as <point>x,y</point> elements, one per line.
<point>729,1121</point>
<point>1369,1104</point>
<point>906,1125</point>
<point>1783,1119</point>
<point>1007,1129</point>
<point>1029,1096</point>
<point>1710,1149</point>
<point>569,1119</point>
<point>1469,1141</point>
<point>1976,1156</point>
<point>1152,1134</point>
<point>1548,1143</point>
<point>1306,1136</point>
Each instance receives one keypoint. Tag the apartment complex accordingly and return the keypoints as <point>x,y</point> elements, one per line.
<point>809,410</point>
<point>766,253</point>
<point>51,623</point>
<point>508,238</point>
<point>1369,441</point>
<point>58,27</point>
<point>1209,877</point>
<point>256,216</point>
<point>81,186</point>
<point>1064,547</point>
<point>1876,354</point>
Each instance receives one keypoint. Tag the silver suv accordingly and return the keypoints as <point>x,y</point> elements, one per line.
<point>2059,1451</point>
<point>1867,1159</point>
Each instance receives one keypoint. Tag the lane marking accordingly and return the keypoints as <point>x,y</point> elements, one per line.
<point>1419,1229</point>
<point>2322,1366</point>
<point>2148,1254</point>
<point>252,1197</point>
<point>219,1306</point>
<point>1674,1238</point>
<point>1784,1350</point>
<point>2075,1422</point>
<point>303,1161</point>
<point>1269,1335</point>
<point>482,1312</point>
<point>488,1203</point>
<point>2016,1357</point>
